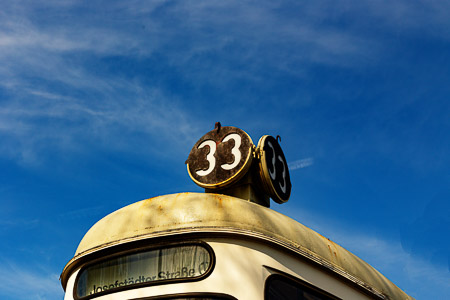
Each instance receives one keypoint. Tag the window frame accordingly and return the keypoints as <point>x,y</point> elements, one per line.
<point>141,249</point>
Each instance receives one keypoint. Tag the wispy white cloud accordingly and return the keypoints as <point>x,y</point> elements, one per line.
<point>33,48</point>
<point>59,122</point>
<point>54,96</point>
<point>301,163</point>
<point>389,257</point>
<point>43,109</point>
<point>28,282</point>
<point>56,99</point>
<point>21,32</point>
<point>8,225</point>
<point>81,213</point>
<point>430,17</point>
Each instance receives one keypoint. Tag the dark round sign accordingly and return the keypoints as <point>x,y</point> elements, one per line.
<point>220,157</point>
<point>274,170</point>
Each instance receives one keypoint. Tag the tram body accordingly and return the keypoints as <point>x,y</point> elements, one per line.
<point>224,244</point>
<point>212,246</point>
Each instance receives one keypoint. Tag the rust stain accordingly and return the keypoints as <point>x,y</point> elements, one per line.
<point>334,251</point>
<point>148,201</point>
<point>331,251</point>
<point>219,200</point>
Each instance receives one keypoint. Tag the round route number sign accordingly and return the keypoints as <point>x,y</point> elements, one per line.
<point>220,157</point>
<point>274,170</point>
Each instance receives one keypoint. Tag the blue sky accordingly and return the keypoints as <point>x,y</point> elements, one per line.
<point>100,104</point>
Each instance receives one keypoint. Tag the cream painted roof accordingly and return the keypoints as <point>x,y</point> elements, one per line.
<point>199,212</point>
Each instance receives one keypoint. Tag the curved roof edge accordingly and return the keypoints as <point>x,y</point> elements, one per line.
<point>199,212</point>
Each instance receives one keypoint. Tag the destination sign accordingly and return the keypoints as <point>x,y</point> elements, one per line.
<point>143,268</point>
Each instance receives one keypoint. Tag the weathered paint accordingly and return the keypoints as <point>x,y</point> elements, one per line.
<point>217,214</point>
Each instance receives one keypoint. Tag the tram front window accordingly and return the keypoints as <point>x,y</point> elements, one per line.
<point>281,288</point>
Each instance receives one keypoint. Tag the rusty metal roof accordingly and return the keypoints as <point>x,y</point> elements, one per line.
<point>212,213</point>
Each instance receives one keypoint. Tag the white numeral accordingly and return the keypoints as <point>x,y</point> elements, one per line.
<point>235,151</point>
<point>283,186</point>
<point>210,157</point>
<point>274,173</point>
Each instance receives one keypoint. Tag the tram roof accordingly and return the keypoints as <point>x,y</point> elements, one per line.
<point>220,214</point>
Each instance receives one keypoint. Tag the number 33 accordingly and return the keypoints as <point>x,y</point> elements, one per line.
<point>212,160</point>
